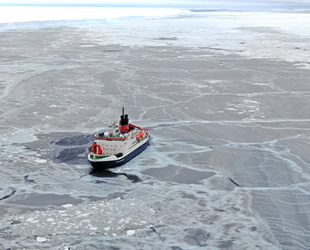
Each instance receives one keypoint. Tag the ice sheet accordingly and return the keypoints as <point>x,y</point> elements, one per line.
<point>227,104</point>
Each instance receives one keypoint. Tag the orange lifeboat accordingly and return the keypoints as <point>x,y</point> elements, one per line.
<point>141,134</point>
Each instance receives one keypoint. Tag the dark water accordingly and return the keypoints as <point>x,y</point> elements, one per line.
<point>228,109</point>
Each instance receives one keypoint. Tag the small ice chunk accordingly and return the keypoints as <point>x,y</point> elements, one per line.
<point>83,215</point>
<point>41,239</point>
<point>40,161</point>
<point>32,220</point>
<point>131,232</point>
<point>67,205</point>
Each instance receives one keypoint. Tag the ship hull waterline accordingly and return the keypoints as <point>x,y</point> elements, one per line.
<point>102,165</point>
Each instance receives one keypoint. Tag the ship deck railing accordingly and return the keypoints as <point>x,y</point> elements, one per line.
<point>110,138</point>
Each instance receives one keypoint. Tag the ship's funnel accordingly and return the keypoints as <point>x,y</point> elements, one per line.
<point>124,122</point>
